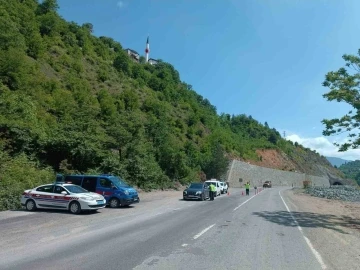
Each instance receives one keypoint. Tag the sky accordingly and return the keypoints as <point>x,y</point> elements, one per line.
<point>264,58</point>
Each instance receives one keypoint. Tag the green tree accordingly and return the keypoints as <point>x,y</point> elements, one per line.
<point>47,6</point>
<point>16,71</point>
<point>10,37</point>
<point>88,27</point>
<point>142,60</point>
<point>344,86</point>
<point>218,163</point>
<point>49,24</point>
<point>122,63</point>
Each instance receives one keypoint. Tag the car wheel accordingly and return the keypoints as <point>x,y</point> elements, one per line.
<point>30,205</point>
<point>75,208</point>
<point>114,203</point>
<point>203,197</point>
<point>184,198</point>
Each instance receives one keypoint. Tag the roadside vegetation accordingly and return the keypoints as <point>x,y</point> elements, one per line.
<point>71,102</point>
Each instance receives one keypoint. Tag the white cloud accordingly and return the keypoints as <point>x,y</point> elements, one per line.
<point>120,4</point>
<point>325,147</point>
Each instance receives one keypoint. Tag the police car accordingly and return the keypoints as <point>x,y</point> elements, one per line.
<point>62,196</point>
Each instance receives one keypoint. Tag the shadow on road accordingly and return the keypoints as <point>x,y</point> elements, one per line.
<point>310,220</point>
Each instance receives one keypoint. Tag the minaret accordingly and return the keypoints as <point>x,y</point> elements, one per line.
<point>147,50</point>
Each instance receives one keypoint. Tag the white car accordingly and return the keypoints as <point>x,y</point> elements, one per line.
<point>216,183</point>
<point>224,187</point>
<point>62,196</point>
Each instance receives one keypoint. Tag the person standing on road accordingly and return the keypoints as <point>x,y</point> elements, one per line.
<point>212,191</point>
<point>247,188</point>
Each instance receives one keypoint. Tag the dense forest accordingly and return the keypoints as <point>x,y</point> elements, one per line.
<point>351,170</point>
<point>71,102</point>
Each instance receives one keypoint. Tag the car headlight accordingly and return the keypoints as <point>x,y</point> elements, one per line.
<point>126,192</point>
<point>87,199</point>
<point>198,193</point>
<point>185,192</point>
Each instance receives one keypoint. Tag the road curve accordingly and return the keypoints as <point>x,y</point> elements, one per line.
<point>232,232</point>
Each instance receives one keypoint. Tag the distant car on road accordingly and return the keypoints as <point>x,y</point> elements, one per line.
<point>199,191</point>
<point>224,187</point>
<point>63,197</point>
<point>267,184</point>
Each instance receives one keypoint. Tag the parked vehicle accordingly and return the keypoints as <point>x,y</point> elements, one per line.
<point>267,184</point>
<point>221,187</point>
<point>198,191</point>
<point>225,187</point>
<point>115,190</point>
<point>62,196</point>
<point>216,183</point>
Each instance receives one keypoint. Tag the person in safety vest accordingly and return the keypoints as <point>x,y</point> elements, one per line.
<point>212,191</point>
<point>247,188</point>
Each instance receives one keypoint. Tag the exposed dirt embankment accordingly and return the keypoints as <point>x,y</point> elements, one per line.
<point>274,159</point>
<point>299,161</point>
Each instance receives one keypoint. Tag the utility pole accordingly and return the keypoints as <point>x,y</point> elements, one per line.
<point>284,134</point>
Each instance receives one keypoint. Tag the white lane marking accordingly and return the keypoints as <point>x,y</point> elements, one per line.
<point>184,245</point>
<point>203,231</point>
<point>176,209</point>
<point>236,208</point>
<point>313,250</point>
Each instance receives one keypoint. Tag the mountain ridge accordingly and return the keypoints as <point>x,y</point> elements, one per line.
<point>335,161</point>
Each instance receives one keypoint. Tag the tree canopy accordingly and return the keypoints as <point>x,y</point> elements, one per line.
<point>344,86</point>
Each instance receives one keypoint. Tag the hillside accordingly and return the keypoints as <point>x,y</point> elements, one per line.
<point>296,159</point>
<point>71,102</point>
<point>351,170</point>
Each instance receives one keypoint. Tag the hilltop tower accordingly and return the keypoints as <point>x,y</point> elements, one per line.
<point>147,49</point>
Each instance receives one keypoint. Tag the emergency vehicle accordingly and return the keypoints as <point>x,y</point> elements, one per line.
<point>63,197</point>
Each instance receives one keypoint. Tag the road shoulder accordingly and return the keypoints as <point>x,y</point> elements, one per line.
<point>332,226</point>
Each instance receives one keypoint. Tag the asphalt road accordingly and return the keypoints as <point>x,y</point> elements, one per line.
<point>232,232</point>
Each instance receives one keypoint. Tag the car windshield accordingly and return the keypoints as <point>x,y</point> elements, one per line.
<point>76,189</point>
<point>221,183</point>
<point>118,182</point>
<point>196,185</point>
<point>208,183</point>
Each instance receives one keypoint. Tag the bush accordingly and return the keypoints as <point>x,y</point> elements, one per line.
<point>307,183</point>
<point>17,175</point>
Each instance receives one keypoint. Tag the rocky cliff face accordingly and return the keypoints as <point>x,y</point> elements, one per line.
<point>307,162</point>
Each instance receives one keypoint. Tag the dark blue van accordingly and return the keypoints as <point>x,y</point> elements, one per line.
<point>115,190</point>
